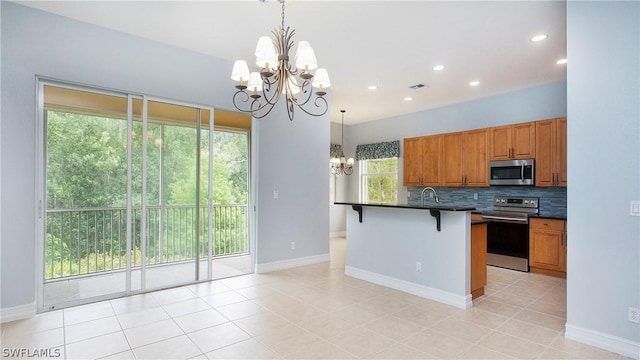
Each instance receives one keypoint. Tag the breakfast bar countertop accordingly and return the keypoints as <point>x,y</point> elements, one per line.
<point>409,206</point>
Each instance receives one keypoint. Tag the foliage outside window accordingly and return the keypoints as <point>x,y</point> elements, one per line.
<point>379,180</point>
<point>86,183</point>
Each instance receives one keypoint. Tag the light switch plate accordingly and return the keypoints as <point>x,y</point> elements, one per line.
<point>634,209</point>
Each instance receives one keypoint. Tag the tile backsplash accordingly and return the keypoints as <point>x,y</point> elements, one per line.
<point>553,200</point>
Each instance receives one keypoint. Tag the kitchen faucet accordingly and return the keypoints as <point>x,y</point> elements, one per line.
<point>435,195</point>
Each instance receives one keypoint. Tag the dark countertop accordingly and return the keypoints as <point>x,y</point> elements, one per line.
<point>408,206</point>
<point>539,216</point>
<point>549,216</point>
<point>478,222</point>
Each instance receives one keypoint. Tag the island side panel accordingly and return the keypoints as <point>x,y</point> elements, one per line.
<point>385,247</point>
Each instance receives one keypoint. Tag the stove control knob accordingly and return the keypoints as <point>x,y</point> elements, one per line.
<point>497,200</point>
<point>526,202</point>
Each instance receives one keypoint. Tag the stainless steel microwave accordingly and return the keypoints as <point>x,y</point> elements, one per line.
<point>512,172</point>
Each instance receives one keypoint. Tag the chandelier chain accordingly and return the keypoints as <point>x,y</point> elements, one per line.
<point>342,133</point>
<point>282,2</point>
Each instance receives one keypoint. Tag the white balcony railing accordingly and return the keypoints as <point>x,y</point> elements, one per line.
<point>88,241</point>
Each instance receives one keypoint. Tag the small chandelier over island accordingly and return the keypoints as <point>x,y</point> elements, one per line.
<point>259,92</point>
<point>340,164</point>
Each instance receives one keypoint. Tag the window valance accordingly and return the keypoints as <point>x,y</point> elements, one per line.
<point>380,150</point>
<point>335,150</point>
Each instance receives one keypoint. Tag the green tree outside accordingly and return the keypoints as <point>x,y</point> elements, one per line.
<point>87,169</point>
<point>382,180</point>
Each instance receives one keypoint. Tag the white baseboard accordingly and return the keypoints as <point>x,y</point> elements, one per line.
<point>463,302</point>
<point>604,341</point>
<point>18,312</point>
<point>338,234</point>
<point>291,263</point>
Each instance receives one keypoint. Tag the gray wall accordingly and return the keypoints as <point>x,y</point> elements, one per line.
<point>603,276</point>
<point>293,159</point>
<point>38,43</point>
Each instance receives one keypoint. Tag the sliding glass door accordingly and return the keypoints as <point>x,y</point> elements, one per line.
<point>176,201</point>
<point>128,201</point>
<point>85,220</point>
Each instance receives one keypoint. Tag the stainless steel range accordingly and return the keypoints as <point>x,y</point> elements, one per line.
<point>508,231</point>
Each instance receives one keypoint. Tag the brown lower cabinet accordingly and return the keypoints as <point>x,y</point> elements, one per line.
<point>478,259</point>
<point>548,247</point>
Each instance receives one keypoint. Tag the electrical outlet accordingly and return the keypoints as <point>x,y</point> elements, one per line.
<point>293,245</point>
<point>418,266</point>
<point>475,196</point>
<point>634,315</point>
<point>276,194</point>
<point>634,208</point>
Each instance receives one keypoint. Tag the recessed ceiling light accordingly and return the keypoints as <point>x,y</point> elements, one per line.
<point>561,61</point>
<point>372,87</point>
<point>539,37</point>
<point>474,83</point>
<point>408,98</point>
<point>438,67</point>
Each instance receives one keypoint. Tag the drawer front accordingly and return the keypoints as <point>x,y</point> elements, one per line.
<point>547,224</point>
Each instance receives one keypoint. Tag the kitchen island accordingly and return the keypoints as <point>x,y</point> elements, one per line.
<point>422,250</point>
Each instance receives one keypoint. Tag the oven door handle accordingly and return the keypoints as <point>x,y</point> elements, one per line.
<point>505,219</point>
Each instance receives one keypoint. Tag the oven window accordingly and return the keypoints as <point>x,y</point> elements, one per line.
<point>508,239</point>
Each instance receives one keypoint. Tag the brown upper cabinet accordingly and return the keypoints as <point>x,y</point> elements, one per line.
<point>466,157</point>
<point>423,161</point>
<point>551,152</point>
<point>517,141</point>
<point>462,158</point>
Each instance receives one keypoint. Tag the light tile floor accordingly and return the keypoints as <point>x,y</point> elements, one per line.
<point>311,312</point>
<point>62,293</point>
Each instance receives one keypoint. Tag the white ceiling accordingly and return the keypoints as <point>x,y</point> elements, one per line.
<point>392,44</point>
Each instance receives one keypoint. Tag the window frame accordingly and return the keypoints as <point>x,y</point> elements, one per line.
<point>364,175</point>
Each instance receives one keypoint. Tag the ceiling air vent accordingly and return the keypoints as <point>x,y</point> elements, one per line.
<point>418,86</point>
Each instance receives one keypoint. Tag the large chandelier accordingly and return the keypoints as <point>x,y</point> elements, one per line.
<point>259,92</point>
<point>340,164</point>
